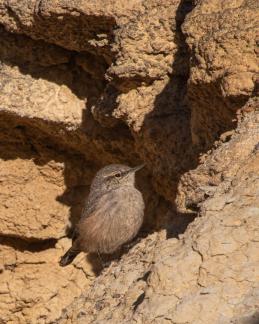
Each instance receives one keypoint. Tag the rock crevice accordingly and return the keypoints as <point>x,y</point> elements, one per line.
<point>170,83</point>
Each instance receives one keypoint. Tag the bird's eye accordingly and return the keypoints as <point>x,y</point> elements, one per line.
<point>117,175</point>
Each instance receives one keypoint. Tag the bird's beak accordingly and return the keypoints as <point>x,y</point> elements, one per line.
<point>137,168</point>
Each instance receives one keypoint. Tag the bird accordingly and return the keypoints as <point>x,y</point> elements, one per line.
<point>112,215</point>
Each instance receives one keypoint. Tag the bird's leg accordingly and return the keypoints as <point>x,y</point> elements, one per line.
<point>103,263</point>
<point>100,258</point>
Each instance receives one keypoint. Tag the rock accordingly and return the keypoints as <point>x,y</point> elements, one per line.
<point>136,61</point>
<point>172,84</point>
<point>34,289</point>
<point>27,194</point>
<point>210,275</point>
<point>221,163</point>
<point>222,39</point>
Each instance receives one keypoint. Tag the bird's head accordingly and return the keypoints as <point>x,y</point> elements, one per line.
<point>115,175</point>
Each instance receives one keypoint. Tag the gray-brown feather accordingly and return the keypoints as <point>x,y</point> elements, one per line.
<point>115,220</point>
<point>113,212</point>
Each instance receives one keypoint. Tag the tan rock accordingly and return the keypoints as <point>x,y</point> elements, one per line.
<point>170,83</point>
<point>222,39</point>
<point>220,163</point>
<point>34,289</point>
<point>206,277</point>
<point>29,206</point>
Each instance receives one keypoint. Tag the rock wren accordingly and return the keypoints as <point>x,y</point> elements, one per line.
<point>113,213</point>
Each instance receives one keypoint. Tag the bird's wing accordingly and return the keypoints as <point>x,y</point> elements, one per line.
<point>94,202</point>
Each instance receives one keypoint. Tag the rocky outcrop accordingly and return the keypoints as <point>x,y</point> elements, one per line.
<point>209,275</point>
<point>33,287</point>
<point>170,83</point>
<point>130,88</point>
<point>199,184</point>
<point>224,65</point>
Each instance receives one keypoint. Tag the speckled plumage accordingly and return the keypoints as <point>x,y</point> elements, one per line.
<point>113,213</point>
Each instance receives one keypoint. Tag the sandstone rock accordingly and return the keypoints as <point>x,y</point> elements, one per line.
<point>224,64</point>
<point>140,44</point>
<point>210,275</point>
<point>41,192</point>
<point>28,205</point>
<point>59,22</point>
<point>170,83</point>
<point>34,289</point>
<point>146,98</point>
<point>221,163</point>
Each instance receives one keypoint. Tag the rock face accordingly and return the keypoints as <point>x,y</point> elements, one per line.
<point>209,275</point>
<point>33,287</point>
<point>170,83</point>
<point>222,38</point>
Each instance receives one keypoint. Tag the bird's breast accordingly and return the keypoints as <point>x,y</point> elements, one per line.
<point>114,220</point>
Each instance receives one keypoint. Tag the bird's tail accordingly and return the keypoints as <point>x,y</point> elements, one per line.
<point>68,257</point>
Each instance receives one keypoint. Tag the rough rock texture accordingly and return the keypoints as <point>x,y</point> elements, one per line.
<point>146,45</point>
<point>197,185</point>
<point>224,64</point>
<point>170,83</point>
<point>33,288</point>
<point>209,275</point>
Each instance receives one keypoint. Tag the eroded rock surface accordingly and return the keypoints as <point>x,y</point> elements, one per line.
<point>33,287</point>
<point>222,162</point>
<point>170,83</point>
<point>209,275</point>
<point>224,64</point>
